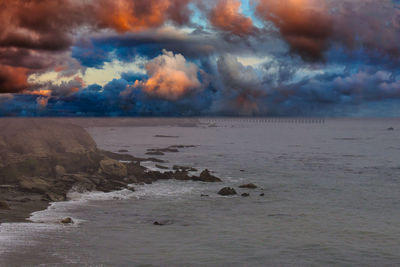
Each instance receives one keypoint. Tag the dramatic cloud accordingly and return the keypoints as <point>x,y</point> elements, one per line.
<point>226,16</point>
<point>225,57</point>
<point>170,77</point>
<point>13,79</point>
<point>137,15</point>
<point>305,24</point>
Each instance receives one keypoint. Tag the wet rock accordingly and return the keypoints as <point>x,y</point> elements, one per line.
<point>227,191</point>
<point>95,180</point>
<point>4,205</point>
<point>206,176</point>
<point>155,160</point>
<point>182,176</point>
<point>116,156</point>
<point>131,188</point>
<point>242,170</point>
<point>80,178</point>
<point>148,181</point>
<point>55,197</point>
<point>182,146</point>
<point>131,179</point>
<point>162,223</point>
<point>202,195</point>
<point>67,220</point>
<point>155,153</point>
<point>155,175</point>
<point>82,187</point>
<point>245,195</point>
<point>166,150</point>
<point>248,186</point>
<point>165,136</point>
<point>262,194</point>
<point>162,167</point>
<point>123,151</point>
<point>113,168</point>
<point>34,184</point>
<point>135,169</point>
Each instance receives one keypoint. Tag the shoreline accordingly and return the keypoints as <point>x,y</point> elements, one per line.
<point>44,159</point>
<point>38,181</point>
<point>23,204</point>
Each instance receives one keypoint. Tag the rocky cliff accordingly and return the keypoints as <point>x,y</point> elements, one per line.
<point>41,160</point>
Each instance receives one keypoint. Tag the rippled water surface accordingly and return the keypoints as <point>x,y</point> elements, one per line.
<point>331,197</point>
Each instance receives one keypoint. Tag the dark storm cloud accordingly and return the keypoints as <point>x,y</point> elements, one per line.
<point>313,56</point>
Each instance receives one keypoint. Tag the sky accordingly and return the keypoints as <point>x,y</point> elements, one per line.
<point>336,58</point>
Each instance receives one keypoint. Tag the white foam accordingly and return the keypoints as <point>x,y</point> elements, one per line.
<point>58,210</point>
<point>13,235</point>
<point>164,189</point>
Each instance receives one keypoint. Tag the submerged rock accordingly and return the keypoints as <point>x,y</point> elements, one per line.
<point>166,150</point>
<point>248,186</point>
<point>67,220</point>
<point>162,223</point>
<point>155,153</point>
<point>4,205</point>
<point>245,195</point>
<point>262,194</point>
<point>227,191</point>
<point>390,129</point>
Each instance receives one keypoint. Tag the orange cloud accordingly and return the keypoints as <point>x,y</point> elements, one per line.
<point>226,16</point>
<point>131,16</point>
<point>42,92</point>
<point>171,77</point>
<point>305,24</point>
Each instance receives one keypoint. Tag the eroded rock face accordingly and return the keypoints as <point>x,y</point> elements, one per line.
<point>227,191</point>
<point>34,184</point>
<point>60,171</point>
<point>113,168</point>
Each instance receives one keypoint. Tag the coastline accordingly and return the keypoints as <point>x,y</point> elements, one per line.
<point>42,175</point>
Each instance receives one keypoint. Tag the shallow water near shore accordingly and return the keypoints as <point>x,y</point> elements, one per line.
<point>331,197</point>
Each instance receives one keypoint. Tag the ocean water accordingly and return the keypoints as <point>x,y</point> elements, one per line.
<point>331,197</point>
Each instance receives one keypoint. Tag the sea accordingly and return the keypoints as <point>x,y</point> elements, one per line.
<point>328,195</point>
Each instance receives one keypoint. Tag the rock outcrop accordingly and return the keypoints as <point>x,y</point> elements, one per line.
<point>113,168</point>
<point>206,176</point>
<point>227,191</point>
